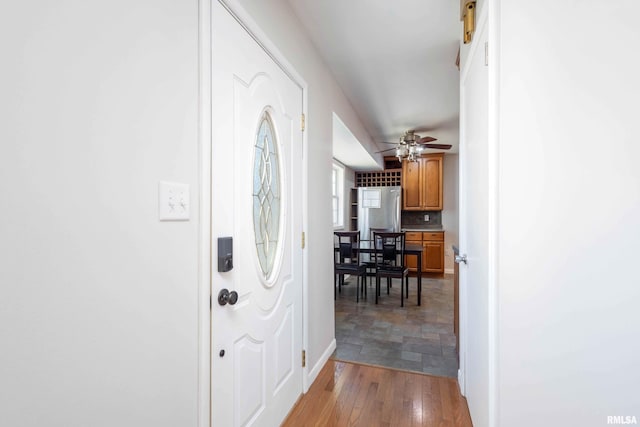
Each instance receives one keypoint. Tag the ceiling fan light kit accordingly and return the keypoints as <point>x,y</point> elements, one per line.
<point>408,151</point>
<point>402,151</point>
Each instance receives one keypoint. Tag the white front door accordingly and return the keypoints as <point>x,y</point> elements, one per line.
<point>256,199</point>
<point>474,231</point>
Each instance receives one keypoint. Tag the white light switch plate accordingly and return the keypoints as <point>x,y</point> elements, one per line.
<point>173,201</point>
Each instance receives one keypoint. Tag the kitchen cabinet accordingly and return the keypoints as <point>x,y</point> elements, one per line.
<point>414,238</point>
<point>432,251</point>
<point>422,183</point>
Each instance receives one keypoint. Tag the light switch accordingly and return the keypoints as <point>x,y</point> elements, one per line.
<point>173,201</point>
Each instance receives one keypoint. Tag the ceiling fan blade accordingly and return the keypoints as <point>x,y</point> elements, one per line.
<point>437,146</point>
<point>426,139</point>
<point>385,142</point>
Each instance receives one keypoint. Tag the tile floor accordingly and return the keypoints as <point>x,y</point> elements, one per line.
<point>413,338</point>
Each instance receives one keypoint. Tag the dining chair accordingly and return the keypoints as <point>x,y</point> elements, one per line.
<point>390,262</point>
<point>371,262</point>
<point>346,260</point>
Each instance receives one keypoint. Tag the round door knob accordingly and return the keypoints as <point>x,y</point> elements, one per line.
<point>225,297</point>
<point>233,297</point>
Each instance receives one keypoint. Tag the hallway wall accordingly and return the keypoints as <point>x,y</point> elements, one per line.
<point>98,299</point>
<point>567,276</point>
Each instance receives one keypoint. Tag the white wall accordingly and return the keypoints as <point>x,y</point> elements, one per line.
<point>569,213</point>
<point>281,25</point>
<point>450,210</point>
<point>98,299</point>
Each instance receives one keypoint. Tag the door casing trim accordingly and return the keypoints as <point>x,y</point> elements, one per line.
<point>204,213</point>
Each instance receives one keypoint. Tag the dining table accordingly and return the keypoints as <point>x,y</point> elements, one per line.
<point>411,249</point>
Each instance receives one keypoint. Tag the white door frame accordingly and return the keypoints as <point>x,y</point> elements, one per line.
<point>489,16</point>
<point>204,221</point>
<point>205,239</point>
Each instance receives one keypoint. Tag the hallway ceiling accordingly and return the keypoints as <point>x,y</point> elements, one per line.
<point>395,61</point>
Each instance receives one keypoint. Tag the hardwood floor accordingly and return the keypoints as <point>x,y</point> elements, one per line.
<point>351,394</point>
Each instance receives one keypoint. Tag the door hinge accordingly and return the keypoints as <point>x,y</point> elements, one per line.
<point>304,359</point>
<point>302,244</point>
<point>302,122</point>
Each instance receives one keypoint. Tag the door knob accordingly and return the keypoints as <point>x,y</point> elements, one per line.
<point>225,297</point>
<point>461,258</point>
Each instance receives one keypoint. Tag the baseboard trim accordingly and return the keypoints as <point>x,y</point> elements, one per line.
<point>461,383</point>
<point>312,373</point>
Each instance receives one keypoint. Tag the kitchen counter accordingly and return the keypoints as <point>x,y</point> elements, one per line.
<point>427,228</point>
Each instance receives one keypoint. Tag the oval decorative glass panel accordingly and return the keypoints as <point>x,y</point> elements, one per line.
<point>266,195</point>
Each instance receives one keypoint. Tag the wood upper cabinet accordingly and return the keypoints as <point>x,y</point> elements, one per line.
<point>422,183</point>
<point>411,188</point>
<point>432,182</point>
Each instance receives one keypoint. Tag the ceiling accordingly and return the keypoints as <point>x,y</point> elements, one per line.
<point>348,150</point>
<point>395,61</point>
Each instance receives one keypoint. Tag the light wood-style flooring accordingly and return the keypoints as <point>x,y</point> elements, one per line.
<point>351,394</point>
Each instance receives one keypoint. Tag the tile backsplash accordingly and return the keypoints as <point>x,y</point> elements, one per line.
<point>410,218</point>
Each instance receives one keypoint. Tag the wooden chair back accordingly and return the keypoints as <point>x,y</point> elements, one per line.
<point>348,244</point>
<point>389,249</point>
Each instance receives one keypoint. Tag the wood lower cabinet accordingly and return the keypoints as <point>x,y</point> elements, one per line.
<point>422,183</point>
<point>433,257</point>
<point>414,238</point>
<point>432,251</point>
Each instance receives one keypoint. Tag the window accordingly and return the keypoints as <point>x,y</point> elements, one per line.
<point>337,185</point>
<point>266,195</point>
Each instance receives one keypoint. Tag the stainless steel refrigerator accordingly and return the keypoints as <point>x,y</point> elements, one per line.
<point>378,207</point>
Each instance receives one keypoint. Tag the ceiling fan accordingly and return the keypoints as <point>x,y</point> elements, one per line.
<point>411,145</point>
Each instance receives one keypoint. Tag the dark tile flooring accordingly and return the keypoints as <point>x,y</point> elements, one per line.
<point>415,338</point>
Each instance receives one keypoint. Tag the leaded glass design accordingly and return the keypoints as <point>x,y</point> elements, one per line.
<point>266,195</point>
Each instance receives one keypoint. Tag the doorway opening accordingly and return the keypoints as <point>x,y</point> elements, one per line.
<point>418,338</point>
